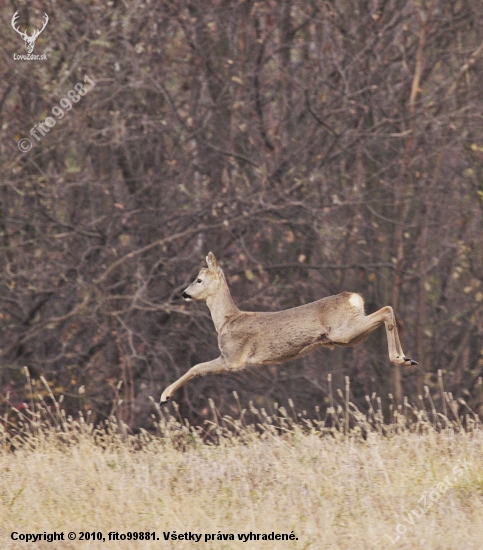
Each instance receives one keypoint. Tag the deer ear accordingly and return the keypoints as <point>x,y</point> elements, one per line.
<point>211,261</point>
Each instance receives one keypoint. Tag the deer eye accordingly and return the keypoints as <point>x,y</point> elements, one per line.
<point>199,281</point>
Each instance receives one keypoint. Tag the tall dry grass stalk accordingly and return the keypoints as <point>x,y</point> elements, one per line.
<point>347,480</point>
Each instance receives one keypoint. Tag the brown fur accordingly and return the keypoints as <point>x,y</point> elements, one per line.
<point>268,338</point>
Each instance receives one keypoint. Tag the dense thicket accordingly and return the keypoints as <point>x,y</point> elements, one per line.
<point>313,146</point>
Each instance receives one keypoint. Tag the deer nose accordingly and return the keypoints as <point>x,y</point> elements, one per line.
<point>185,295</point>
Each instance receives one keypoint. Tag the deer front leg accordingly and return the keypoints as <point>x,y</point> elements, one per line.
<point>217,365</point>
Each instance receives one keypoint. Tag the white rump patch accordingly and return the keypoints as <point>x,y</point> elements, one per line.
<point>356,301</point>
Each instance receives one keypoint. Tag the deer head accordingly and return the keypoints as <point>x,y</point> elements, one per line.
<point>29,40</point>
<point>207,282</point>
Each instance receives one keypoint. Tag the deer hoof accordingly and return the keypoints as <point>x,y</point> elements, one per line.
<point>164,401</point>
<point>410,361</point>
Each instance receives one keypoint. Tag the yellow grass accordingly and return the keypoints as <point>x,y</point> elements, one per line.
<point>329,488</point>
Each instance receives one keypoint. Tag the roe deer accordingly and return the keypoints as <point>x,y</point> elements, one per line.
<point>267,338</point>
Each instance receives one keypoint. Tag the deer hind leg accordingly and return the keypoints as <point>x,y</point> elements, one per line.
<point>217,365</point>
<point>396,354</point>
<point>364,325</point>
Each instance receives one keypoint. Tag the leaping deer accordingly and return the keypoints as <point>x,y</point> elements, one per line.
<point>268,338</point>
<point>29,40</point>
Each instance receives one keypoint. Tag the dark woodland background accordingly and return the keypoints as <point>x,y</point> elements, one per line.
<point>313,146</point>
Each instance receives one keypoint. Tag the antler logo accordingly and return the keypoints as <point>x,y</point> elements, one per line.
<point>29,40</point>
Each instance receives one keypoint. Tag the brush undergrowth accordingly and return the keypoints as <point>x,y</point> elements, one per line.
<point>344,479</point>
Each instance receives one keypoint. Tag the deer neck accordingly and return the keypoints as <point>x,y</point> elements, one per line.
<point>222,306</point>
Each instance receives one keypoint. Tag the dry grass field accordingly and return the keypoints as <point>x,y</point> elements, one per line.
<point>359,484</point>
